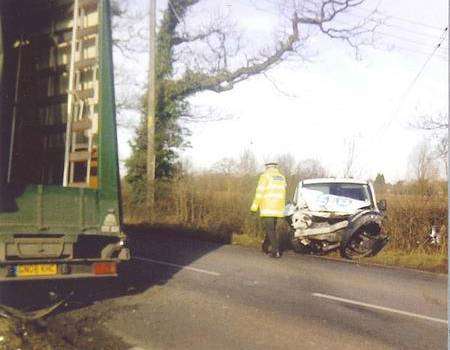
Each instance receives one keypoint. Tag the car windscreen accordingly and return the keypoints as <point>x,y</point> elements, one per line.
<point>358,192</point>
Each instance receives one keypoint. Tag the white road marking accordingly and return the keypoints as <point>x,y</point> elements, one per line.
<point>382,308</point>
<point>212,273</point>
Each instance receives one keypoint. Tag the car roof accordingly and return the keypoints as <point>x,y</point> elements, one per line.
<point>334,180</point>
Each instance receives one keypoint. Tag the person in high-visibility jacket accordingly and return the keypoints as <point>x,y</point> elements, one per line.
<point>270,200</point>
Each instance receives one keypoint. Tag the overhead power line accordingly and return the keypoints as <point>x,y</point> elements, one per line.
<point>415,22</point>
<point>414,33</point>
<point>172,8</point>
<point>444,34</point>
<point>411,31</point>
<point>416,78</point>
<point>276,3</point>
<point>397,26</point>
<point>394,36</point>
<point>402,38</point>
<point>401,48</point>
<point>402,19</point>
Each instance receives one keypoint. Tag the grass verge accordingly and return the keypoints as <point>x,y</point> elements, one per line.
<point>415,260</point>
<point>246,240</point>
<point>437,263</point>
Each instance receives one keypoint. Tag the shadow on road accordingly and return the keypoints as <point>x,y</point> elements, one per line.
<point>78,323</point>
<point>166,244</point>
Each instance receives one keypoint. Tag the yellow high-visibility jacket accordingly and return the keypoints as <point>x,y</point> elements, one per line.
<point>270,197</point>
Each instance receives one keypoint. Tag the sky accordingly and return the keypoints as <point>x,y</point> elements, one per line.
<point>316,109</point>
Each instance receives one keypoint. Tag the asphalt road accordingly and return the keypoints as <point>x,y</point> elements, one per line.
<point>187,294</point>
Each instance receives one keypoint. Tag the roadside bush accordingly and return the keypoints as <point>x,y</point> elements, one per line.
<point>409,220</point>
<point>220,204</point>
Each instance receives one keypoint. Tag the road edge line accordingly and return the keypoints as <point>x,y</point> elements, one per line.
<point>212,273</point>
<point>377,307</point>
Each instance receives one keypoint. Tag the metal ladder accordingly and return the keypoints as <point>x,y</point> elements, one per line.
<point>80,159</point>
<point>20,45</point>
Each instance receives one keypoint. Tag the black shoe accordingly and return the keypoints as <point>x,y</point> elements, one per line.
<point>265,246</point>
<point>275,255</point>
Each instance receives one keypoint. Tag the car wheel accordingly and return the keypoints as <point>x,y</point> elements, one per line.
<point>359,245</point>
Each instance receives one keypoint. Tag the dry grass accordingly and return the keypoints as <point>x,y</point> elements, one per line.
<point>409,219</point>
<point>421,261</point>
<point>218,206</point>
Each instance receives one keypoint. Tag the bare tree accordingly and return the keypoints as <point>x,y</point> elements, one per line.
<point>432,122</point>
<point>438,126</point>
<point>422,162</point>
<point>226,166</point>
<point>441,150</point>
<point>247,164</point>
<point>310,168</point>
<point>287,163</point>
<point>350,149</point>
<point>186,167</point>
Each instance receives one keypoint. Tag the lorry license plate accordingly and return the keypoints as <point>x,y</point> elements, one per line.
<point>37,270</point>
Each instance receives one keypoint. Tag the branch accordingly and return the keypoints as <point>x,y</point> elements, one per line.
<point>186,38</point>
<point>432,123</point>
<point>221,78</point>
<point>193,82</point>
<point>204,115</point>
<point>274,84</point>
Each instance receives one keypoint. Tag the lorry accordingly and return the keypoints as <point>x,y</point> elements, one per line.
<point>60,202</point>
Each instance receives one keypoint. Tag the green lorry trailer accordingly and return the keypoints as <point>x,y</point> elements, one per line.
<point>60,203</point>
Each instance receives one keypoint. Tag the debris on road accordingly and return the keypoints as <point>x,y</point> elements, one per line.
<point>16,335</point>
<point>10,312</point>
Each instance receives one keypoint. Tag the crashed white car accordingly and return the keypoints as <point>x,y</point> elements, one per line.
<point>329,214</point>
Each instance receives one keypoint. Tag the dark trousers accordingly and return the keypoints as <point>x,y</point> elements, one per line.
<point>270,227</point>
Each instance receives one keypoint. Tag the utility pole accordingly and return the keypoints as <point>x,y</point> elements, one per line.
<point>151,113</point>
